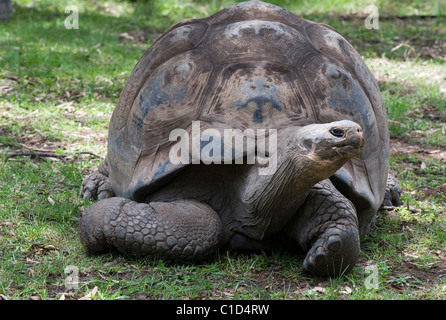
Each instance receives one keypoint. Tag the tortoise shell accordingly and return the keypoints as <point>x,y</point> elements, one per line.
<point>252,65</point>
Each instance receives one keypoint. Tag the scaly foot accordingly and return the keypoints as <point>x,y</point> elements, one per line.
<point>326,227</point>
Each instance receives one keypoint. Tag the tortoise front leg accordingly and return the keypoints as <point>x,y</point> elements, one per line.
<point>181,229</point>
<point>326,227</point>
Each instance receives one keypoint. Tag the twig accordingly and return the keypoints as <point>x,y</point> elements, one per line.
<point>90,153</point>
<point>35,154</point>
<point>44,154</point>
<point>46,151</point>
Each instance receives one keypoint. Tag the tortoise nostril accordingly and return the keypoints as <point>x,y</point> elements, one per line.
<point>337,132</point>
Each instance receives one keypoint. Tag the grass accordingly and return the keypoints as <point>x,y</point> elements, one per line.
<point>58,88</point>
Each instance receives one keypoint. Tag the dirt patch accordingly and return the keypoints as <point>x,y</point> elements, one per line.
<point>400,146</point>
<point>409,274</point>
<point>429,112</point>
<point>438,192</point>
<point>35,144</point>
<point>275,282</point>
<point>28,141</point>
<point>33,141</point>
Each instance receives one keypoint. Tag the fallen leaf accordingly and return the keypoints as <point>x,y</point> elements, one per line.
<point>41,249</point>
<point>50,200</point>
<point>316,290</point>
<point>90,295</point>
<point>7,224</point>
<point>228,293</point>
<point>31,273</point>
<point>347,290</point>
<point>410,255</point>
<point>68,106</point>
<point>31,261</point>
<point>396,287</point>
<point>6,89</point>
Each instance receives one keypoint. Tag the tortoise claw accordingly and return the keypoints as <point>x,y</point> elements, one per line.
<point>96,185</point>
<point>334,253</point>
<point>87,195</point>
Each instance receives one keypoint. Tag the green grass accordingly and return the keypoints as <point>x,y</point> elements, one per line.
<point>62,85</point>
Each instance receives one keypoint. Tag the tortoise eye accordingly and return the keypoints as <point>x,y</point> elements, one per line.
<point>337,132</point>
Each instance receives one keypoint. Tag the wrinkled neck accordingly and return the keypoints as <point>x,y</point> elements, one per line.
<point>269,200</point>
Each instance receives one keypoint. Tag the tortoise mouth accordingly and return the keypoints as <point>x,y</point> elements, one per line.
<point>350,150</point>
<point>352,146</point>
<point>354,142</point>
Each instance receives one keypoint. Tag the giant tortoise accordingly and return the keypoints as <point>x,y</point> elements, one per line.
<point>251,129</point>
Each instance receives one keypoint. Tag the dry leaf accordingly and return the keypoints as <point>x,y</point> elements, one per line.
<point>228,293</point>
<point>7,224</point>
<point>31,261</point>
<point>41,249</point>
<point>90,295</point>
<point>6,89</point>
<point>347,290</point>
<point>50,200</point>
<point>317,290</point>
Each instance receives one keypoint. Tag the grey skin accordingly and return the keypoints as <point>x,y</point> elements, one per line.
<point>215,206</point>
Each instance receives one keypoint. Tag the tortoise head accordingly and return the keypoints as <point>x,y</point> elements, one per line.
<point>334,142</point>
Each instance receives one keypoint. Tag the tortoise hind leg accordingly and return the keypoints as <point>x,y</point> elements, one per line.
<point>179,230</point>
<point>392,196</point>
<point>326,227</point>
